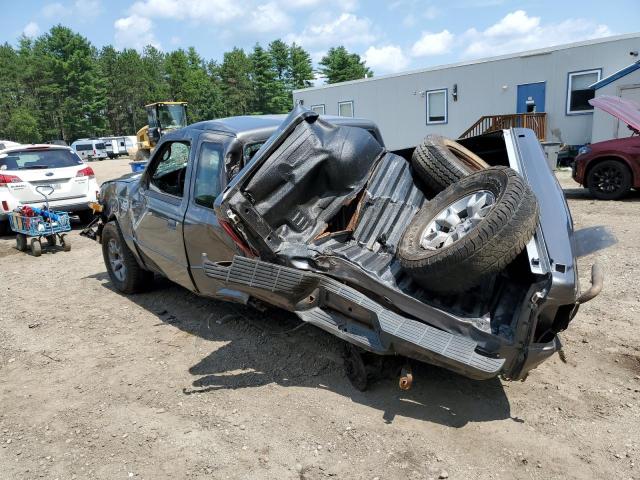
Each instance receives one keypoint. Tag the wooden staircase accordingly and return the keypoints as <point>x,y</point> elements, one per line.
<point>491,123</point>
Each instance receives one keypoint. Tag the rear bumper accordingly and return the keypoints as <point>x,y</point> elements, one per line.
<point>352,316</point>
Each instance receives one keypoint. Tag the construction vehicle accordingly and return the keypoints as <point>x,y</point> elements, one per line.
<point>163,117</point>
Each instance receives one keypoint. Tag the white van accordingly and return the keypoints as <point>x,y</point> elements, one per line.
<point>90,148</point>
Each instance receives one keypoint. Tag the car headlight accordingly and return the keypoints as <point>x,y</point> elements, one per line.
<point>583,150</point>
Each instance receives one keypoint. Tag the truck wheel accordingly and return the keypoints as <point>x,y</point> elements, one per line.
<point>142,156</point>
<point>609,180</point>
<point>469,231</point>
<point>122,267</point>
<point>439,162</point>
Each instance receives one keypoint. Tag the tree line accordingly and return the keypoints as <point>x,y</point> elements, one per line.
<point>60,86</point>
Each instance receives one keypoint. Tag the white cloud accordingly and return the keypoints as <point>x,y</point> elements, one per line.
<point>348,30</point>
<point>31,30</point>
<point>518,31</point>
<point>345,5</point>
<point>218,12</point>
<point>54,10</point>
<point>134,32</point>
<point>386,59</point>
<point>433,44</point>
<point>88,8</point>
<point>268,18</point>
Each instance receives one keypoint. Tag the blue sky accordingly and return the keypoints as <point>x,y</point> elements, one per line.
<point>391,35</point>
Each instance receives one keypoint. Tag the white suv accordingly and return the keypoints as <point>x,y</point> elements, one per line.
<point>25,167</point>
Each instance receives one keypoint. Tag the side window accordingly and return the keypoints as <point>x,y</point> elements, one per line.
<point>208,183</point>
<point>168,174</point>
<point>578,91</point>
<point>345,109</point>
<point>437,106</point>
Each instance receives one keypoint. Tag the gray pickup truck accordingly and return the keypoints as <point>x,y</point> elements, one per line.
<point>308,214</point>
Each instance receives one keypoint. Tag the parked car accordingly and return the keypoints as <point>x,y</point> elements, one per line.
<point>25,167</point>
<point>610,169</point>
<point>90,149</point>
<point>313,215</point>
<point>7,144</point>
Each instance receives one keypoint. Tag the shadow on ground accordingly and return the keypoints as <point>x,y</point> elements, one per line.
<point>584,194</point>
<point>275,347</point>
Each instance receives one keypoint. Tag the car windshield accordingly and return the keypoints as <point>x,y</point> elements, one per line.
<point>33,159</point>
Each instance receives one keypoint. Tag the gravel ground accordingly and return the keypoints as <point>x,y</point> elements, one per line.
<point>97,385</point>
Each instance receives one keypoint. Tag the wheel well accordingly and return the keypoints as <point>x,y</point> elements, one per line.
<point>602,159</point>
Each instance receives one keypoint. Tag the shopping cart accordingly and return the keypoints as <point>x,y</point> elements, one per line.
<point>38,224</point>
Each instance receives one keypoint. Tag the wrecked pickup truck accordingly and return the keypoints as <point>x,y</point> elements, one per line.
<point>462,257</point>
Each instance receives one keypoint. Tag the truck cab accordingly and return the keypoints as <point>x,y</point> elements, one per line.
<point>170,221</point>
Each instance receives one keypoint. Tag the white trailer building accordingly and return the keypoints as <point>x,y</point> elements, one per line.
<point>546,89</point>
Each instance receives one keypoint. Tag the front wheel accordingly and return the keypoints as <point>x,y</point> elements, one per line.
<point>122,267</point>
<point>609,180</point>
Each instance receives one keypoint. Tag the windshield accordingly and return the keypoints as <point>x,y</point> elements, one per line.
<point>33,159</point>
<point>172,116</point>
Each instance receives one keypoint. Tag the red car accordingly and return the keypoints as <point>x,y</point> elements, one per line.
<point>611,168</point>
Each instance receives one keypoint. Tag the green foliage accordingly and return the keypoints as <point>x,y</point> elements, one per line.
<point>58,86</point>
<point>338,65</point>
<point>22,126</point>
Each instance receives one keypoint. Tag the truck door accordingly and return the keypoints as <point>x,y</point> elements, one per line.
<point>161,202</point>
<point>202,232</point>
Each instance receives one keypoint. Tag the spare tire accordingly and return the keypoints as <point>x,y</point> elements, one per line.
<point>439,162</point>
<point>469,231</point>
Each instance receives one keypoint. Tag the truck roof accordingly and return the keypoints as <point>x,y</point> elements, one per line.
<point>249,125</point>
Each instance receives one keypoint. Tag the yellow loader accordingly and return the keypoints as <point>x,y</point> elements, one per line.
<point>163,117</point>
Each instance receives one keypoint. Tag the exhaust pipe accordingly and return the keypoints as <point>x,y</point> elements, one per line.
<point>597,280</point>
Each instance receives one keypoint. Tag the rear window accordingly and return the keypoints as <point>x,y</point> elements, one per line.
<point>34,159</point>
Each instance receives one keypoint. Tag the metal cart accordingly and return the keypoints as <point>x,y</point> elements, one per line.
<point>44,224</point>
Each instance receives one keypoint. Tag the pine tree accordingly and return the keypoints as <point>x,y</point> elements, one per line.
<point>301,67</point>
<point>338,65</point>
<point>237,90</point>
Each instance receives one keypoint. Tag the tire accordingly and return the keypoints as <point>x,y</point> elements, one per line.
<point>36,247</point>
<point>125,273</point>
<point>142,155</point>
<point>609,180</point>
<point>66,244</point>
<point>500,232</point>
<point>439,162</point>
<point>21,242</point>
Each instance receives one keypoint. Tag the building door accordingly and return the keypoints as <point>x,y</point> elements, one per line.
<point>632,93</point>
<point>531,97</point>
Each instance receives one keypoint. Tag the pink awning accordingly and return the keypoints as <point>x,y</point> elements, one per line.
<point>626,111</point>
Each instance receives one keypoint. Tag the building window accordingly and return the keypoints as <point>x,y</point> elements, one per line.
<point>319,109</point>
<point>437,106</point>
<point>345,109</point>
<point>578,91</point>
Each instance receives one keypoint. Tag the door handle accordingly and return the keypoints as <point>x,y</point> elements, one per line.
<point>171,224</point>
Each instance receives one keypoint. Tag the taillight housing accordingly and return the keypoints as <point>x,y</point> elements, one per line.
<point>86,172</point>
<point>4,179</point>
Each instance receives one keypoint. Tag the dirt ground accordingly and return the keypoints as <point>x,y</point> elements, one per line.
<point>97,385</point>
